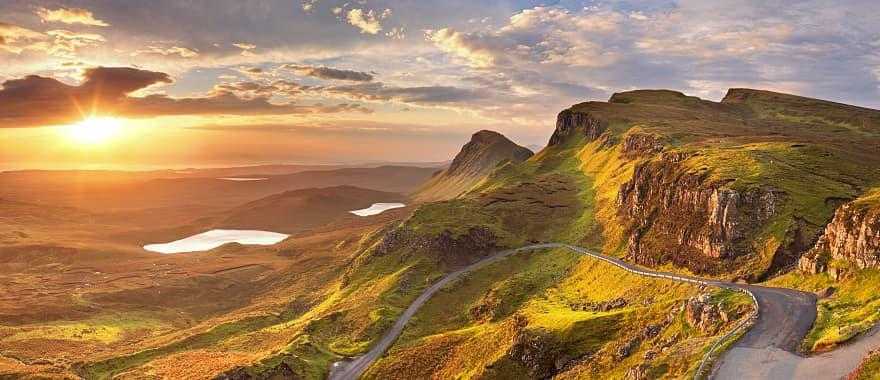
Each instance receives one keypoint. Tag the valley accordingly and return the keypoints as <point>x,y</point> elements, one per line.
<point>629,247</point>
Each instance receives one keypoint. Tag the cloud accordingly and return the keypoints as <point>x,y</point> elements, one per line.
<point>38,101</point>
<point>245,48</point>
<point>226,103</point>
<point>423,95</point>
<point>252,89</point>
<point>718,42</point>
<point>367,21</point>
<point>541,35</point>
<point>324,72</point>
<point>396,33</point>
<point>478,51</point>
<point>35,100</point>
<point>70,16</point>
<point>65,43</point>
<point>309,5</point>
<point>182,52</point>
<point>15,39</point>
<point>58,42</point>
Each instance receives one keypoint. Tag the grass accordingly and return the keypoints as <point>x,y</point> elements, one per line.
<point>108,368</point>
<point>854,307</point>
<point>525,316</point>
<point>869,369</point>
<point>471,328</point>
<point>100,330</point>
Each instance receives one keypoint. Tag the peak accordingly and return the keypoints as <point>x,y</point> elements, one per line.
<point>487,136</point>
<point>746,95</point>
<point>742,95</point>
<point>650,96</point>
<point>479,157</point>
<point>803,105</point>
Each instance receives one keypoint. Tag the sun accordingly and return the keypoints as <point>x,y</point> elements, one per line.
<point>94,130</point>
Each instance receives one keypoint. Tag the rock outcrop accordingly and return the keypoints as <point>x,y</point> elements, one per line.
<point>852,236</point>
<point>479,157</point>
<point>703,315</point>
<point>449,248</point>
<point>570,123</point>
<point>675,215</point>
<point>642,144</point>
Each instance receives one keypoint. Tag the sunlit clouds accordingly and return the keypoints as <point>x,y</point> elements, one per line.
<point>70,16</point>
<point>331,73</point>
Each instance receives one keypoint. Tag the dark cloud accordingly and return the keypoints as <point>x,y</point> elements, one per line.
<point>111,83</point>
<point>330,73</point>
<point>425,95</point>
<point>35,100</point>
<point>227,104</point>
<point>38,101</point>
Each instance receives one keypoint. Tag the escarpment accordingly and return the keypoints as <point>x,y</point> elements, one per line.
<point>732,187</point>
<point>852,236</point>
<point>674,215</point>
<point>571,123</point>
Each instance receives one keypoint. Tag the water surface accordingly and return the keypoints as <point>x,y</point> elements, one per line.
<point>214,238</point>
<point>243,179</point>
<point>377,208</point>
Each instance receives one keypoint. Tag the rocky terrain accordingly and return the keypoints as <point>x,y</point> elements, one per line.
<point>751,180</point>
<point>852,236</point>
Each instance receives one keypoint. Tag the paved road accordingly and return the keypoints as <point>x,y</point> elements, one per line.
<point>786,316</point>
<point>781,364</point>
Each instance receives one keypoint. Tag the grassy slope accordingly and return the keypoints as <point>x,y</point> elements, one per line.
<point>813,151</point>
<point>565,193</point>
<point>745,145</point>
<point>470,329</point>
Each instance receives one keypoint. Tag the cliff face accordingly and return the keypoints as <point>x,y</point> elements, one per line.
<point>688,219</point>
<point>852,236</point>
<point>570,123</point>
<point>739,187</point>
<point>480,156</point>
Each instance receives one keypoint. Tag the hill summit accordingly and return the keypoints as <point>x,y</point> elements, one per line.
<point>480,156</point>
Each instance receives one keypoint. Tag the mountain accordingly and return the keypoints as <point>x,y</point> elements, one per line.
<point>480,156</point>
<point>297,210</point>
<point>741,186</point>
<point>759,187</point>
<point>127,191</point>
<point>738,189</point>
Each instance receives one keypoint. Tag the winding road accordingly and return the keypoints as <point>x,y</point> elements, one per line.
<point>766,351</point>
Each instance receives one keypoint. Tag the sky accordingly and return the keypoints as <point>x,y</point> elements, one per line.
<point>230,82</point>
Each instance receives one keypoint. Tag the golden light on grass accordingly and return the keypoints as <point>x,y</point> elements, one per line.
<point>94,130</point>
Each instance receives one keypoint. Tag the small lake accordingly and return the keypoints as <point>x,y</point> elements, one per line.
<point>243,179</point>
<point>214,238</point>
<point>377,208</point>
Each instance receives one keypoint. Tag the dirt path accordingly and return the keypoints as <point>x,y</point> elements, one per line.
<point>786,316</point>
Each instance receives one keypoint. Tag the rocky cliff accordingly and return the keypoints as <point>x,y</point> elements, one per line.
<point>570,124</point>
<point>480,156</point>
<point>688,218</point>
<point>741,185</point>
<point>852,236</point>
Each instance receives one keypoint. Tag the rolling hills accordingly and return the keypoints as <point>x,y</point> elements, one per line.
<point>297,210</point>
<point>760,187</point>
